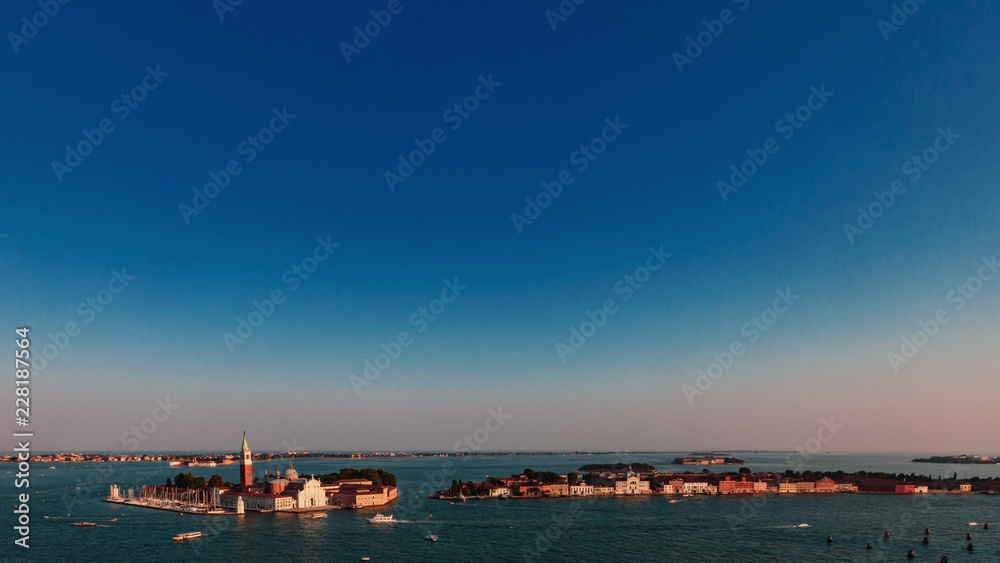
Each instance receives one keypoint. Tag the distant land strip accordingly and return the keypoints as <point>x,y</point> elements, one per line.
<point>958,459</point>
<point>227,458</point>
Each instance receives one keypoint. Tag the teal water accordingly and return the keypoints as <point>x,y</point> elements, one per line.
<point>762,528</point>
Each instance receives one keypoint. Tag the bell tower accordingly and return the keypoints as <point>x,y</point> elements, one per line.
<point>246,465</point>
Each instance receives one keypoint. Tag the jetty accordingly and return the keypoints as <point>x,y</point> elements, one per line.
<point>204,503</point>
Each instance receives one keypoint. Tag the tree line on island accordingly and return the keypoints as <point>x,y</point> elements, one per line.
<point>189,481</point>
<point>544,477</point>
<point>378,477</point>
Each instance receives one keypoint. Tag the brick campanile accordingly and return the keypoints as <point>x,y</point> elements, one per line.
<point>246,465</point>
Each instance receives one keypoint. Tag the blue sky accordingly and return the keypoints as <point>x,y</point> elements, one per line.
<point>323,176</point>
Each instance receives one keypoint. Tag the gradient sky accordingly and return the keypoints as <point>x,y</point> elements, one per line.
<point>289,384</point>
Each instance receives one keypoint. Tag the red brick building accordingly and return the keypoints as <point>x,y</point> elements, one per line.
<point>824,485</point>
<point>886,486</point>
<point>728,486</point>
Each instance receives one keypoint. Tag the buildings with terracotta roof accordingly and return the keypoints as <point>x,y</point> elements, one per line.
<point>293,492</point>
<point>359,495</point>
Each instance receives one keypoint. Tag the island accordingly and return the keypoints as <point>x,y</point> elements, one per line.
<point>291,492</point>
<point>696,459</point>
<point>957,459</point>
<point>548,484</point>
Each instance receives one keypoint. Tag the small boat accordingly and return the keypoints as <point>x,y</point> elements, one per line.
<point>673,501</point>
<point>319,515</point>
<point>381,519</point>
<point>84,524</point>
<point>52,467</point>
<point>366,558</point>
<point>187,536</point>
<point>503,497</point>
<point>432,537</point>
<point>802,526</point>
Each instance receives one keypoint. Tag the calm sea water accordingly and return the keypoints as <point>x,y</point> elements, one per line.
<point>763,528</point>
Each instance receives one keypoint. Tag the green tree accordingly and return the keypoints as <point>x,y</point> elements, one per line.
<point>387,478</point>
<point>169,482</point>
<point>371,475</point>
<point>456,488</point>
<point>529,473</point>
<point>184,480</point>
<point>745,470</point>
<point>216,481</point>
<point>515,490</point>
<point>548,477</point>
<point>572,477</point>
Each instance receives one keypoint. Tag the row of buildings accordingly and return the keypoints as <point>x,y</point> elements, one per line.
<point>292,492</point>
<point>519,485</point>
<point>631,483</point>
<point>81,458</point>
<point>195,462</point>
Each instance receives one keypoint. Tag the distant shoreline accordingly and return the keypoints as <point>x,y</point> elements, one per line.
<point>102,457</point>
<point>92,457</point>
<point>959,460</point>
<point>69,457</point>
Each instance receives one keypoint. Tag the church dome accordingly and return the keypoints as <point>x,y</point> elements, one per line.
<point>291,473</point>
